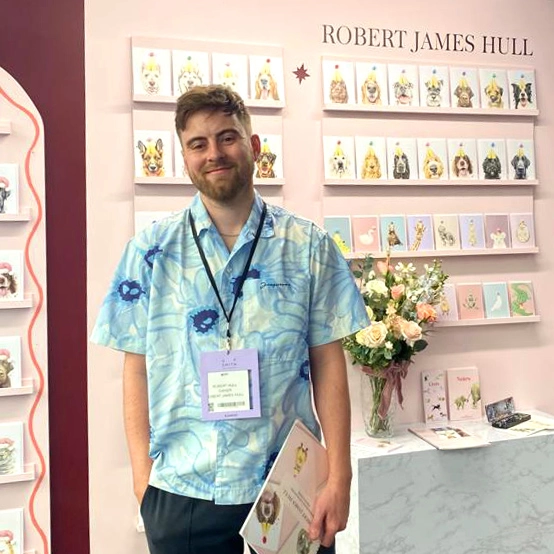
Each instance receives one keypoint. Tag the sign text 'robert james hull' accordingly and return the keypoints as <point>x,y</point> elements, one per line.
<point>416,41</point>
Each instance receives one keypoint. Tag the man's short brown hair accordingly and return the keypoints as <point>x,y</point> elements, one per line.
<point>212,98</point>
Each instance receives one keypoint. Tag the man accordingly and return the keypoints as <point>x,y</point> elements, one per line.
<point>228,279</point>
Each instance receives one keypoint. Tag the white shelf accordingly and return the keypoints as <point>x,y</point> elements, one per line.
<point>28,387</point>
<point>5,127</point>
<point>430,183</point>
<point>493,321</point>
<point>442,253</point>
<point>23,215</point>
<point>27,475</point>
<point>164,99</point>
<point>27,302</point>
<point>431,111</point>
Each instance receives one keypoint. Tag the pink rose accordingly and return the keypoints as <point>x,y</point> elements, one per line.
<point>426,312</point>
<point>412,332</point>
<point>382,267</point>
<point>397,291</point>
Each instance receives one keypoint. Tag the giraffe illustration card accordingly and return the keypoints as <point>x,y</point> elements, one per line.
<point>522,89</point>
<point>365,233</point>
<point>339,229</point>
<point>462,158</point>
<point>11,531</point>
<point>153,153</point>
<point>491,154</point>
<point>434,86</point>
<point>231,70</point>
<point>464,87</point>
<point>372,84</point>
<point>521,159</point>
<point>447,233</point>
<point>447,309</point>
<point>494,88</point>
<point>339,157</point>
<point>522,229</point>
<point>420,233</point>
<point>9,189</point>
<point>497,231</point>
<point>10,362</point>
<point>432,159</point>
<point>433,389</point>
<point>464,394</point>
<point>190,69</point>
<point>12,286</point>
<point>470,301</point>
<point>11,448</point>
<point>393,233</point>
<point>495,296</point>
<point>522,300</point>
<point>338,82</point>
<point>402,158</point>
<point>472,231</point>
<point>403,85</point>
<point>267,81</point>
<point>371,158</point>
<point>151,71</point>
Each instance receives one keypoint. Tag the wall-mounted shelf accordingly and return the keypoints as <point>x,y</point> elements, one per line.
<point>27,302</point>
<point>28,387</point>
<point>442,253</point>
<point>494,321</point>
<point>27,475</point>
<point>23,215</point>
<point>423,110</point>
<point>430,183</point>
<point>5,127</point>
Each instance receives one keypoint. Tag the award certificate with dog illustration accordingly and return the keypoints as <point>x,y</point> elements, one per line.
<point>338,82</point>
<point>339,157</point>
<point>494,88</point>
<point>9,189</point>
<point>433,391</point>
<point>447,233</point>
<point>432,159</point>
<point>267,80</point>
<point>491,154</point>
<point>151,72</point>
<point>365,233</point>
<point>497,231</point>
<point>12,273</point>
<point>420,233</point>
<point>434,86</point>
<point>10,362</point>
<point>372,84</point>
<point>472,231</point>
<point>190,69</point>
<point>340,230</point>
<point>522,229</point>
<point>403,85</point>
<point>522,300</point>
<point>11,531</point>
<point>11,448</point>
<point>462,156</point>
<point>153,154</point>
<point>402,158</point>
<point>231,70</point>
<point>521,159</point>
<point>522,89</point>
<point>495,296</point>
<point>269,163</point>
<point>464,87</point>
<point>371,158</point>
<point>447,309</point>
<point>470,301</point>
<point>464,394</point>
<point>393,233</point>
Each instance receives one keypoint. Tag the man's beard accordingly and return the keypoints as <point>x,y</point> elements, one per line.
<point>226,187</point>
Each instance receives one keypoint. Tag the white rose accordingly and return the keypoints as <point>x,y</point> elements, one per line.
<point>376,287</point>
<point>372,336</point>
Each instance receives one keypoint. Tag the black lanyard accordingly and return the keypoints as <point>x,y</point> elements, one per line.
<point>238,290</point>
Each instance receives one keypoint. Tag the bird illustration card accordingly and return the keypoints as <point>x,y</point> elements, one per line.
<point>339,157</point>
<point>231,70</point>
<point>521,159</point>
<point>12,274</point>
<point>495,296</point>
<point>151,71</point>
<point>372,84</point>
<point>432,159</point>
<point>522,299</point>
<point>434,86</point>
<point>522,229</point>
<point>462,158</point>
<point>472,231</point>
<point>464,394</point>
<point>267,82</point>
<point>371,158</point>
<point>402,158</point>
<point>11,531</point>
<point>269,163</point>
<point>9,189</point>
<point>365,233</point>
<point>433,389</point>
<point>11,448</point>
<point>464,87</point>
<point>494,88</point>
<point>522,89</point>
<point>340,230</point>
<point>338,82</point>
<point>403,85</point>
<point>190,69</point>
<point>153,153</point>
<point>497,231</point>
<point>393,233</point>
<point>10,362</point>
<point>420,233</point>
<point>447,308</point>
<point>470,300</point>
<point>491,154</point>
<point>446,231</point>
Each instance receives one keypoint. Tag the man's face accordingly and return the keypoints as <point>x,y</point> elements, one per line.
<point>219,155</point>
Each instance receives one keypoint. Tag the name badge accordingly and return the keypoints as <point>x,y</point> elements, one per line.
<point>230,384</point>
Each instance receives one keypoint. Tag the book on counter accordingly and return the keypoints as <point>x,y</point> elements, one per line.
<point>464,394</point>
<point>448,437</point>
<point>279,520</point>
<point>534,425</point>
<point>375,445</point>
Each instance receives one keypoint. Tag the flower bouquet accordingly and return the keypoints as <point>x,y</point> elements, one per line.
<point>400,303</point>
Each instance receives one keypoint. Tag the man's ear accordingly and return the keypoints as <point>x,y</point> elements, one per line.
<point>256,145</point>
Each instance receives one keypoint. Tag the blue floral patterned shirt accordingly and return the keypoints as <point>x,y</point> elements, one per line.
<point>298,293</point>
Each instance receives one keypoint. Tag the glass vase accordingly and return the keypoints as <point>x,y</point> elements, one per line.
<point>372,392</point>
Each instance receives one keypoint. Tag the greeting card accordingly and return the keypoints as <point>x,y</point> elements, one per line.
<point>269,163</point>
<point>472,231</point>
<point>403,85</point>
<point>433,159</point>
<point>393,233</point>
<point>190,69</point>
<point>495,296</point>
<point>434,86</point>
<point>522,300</point>
<point>420,232</point>
<point>447,234</point>
<point>11,448</point>
<point>464,394</point>
<point>433,389</point>
<point>231,70</point>
<point>522,89</point>
<point>9,188</point>
<point>267,82</point>
<point>339,157</point>
<point>462,156</point>
<point>11,531</point>
<point>447,309</point>
<point>153,154</point>
<point>365,233</point>
<point>338,82</point>
<point>470,301</point>
<point>522,229</point>
<point>339,229</point>
<point>464,87</point>
<point>402,158</point>
<point>371,157</point>
<point>494,88</point>
<point>12,284</point>
<point>491,154</point>
<point>10,362</point>
<point>151,71</point>
<point>521,159</point>
<point>372,84</point>
<point>497,231</point>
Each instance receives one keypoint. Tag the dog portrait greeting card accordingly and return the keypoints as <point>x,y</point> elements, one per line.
<point>522,89</point>
<point>433,391</point>
<point>420,232</point>
<point>393,233</point>
<point>402,158</point>
<point>12,285</point>
<point>339,157</point>
<point>338,82</point>
<point>11,448</point>
<point>10,362</point>
<point>11,531</point>
<point>470,301</point>
<point>151,71</point>
<point>371,158</point>
<point>267,81</point>
<point>446,231</point>
<point>434,86</point>
<point>9,188</point>
<point>495,297</point>
<point>464,394</point>
<point>190,69</point>
<point>491,154</point>
<point>464,87</point>
<point>372,84</point>
<point>472,231</point>
<point>432,159</point>
<point>269,163</point>
<point>522,229</point>
<point>462,156</point>
<point>340,230</point>
<point>494,88</point>
<point>365,233</point>
<point>497,231</point>
<point>403,85</point>
<point>447,309</point>
<point>153,154</point>
<point>231,70</point>
<point>521,159</point>
<point>522,299</point>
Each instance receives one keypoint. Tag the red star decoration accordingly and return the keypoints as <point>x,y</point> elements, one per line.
<point>301,73</point>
